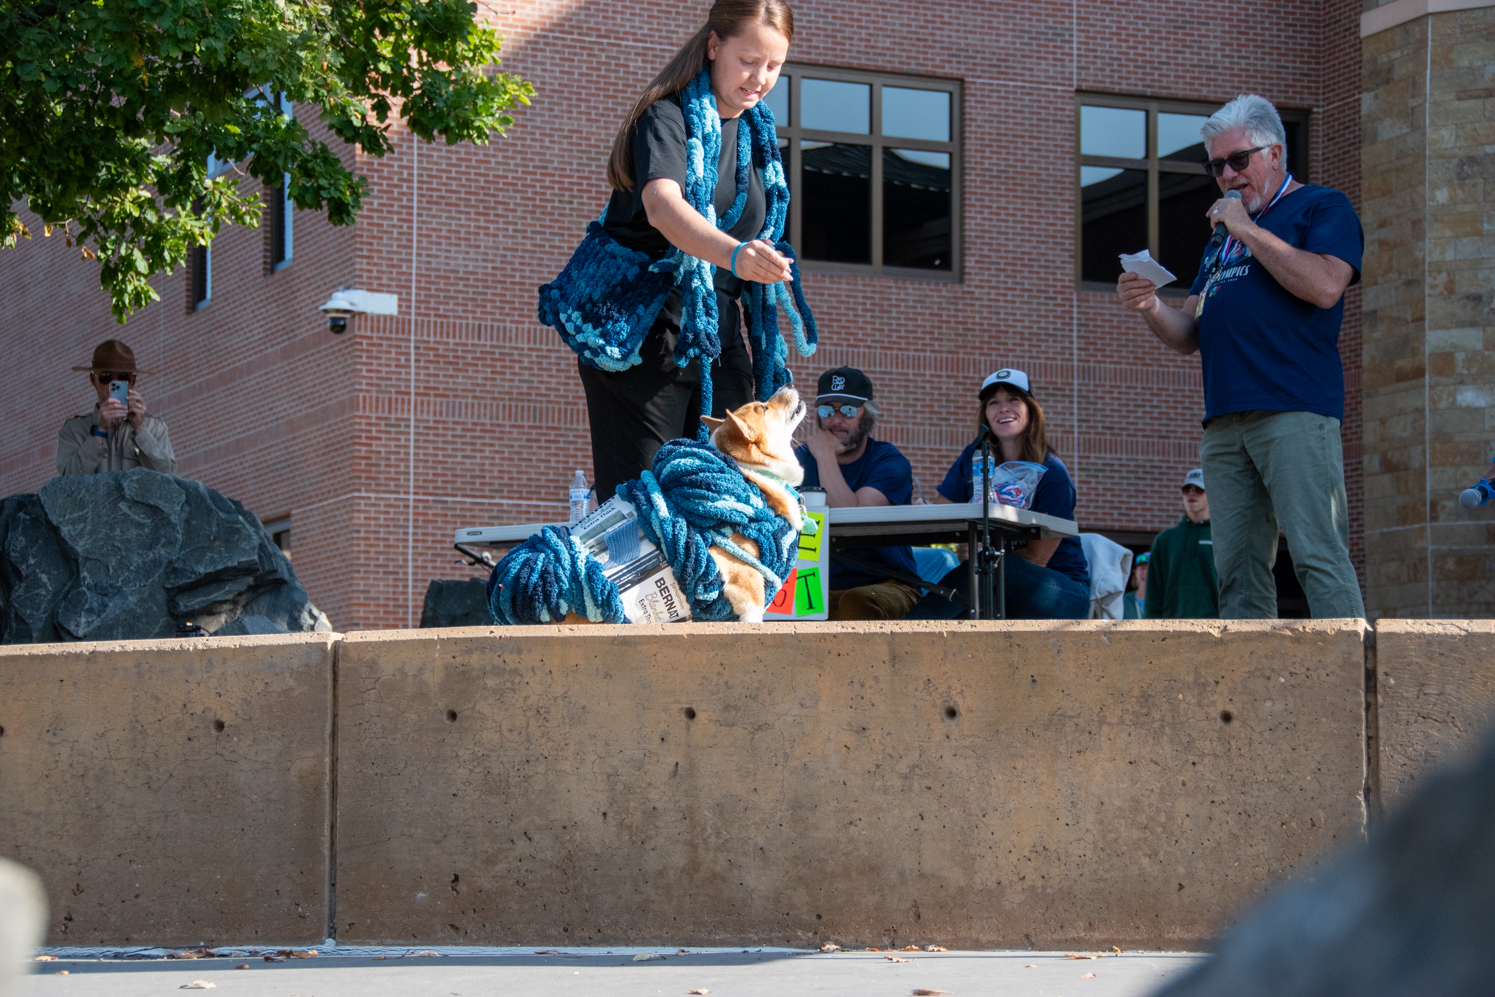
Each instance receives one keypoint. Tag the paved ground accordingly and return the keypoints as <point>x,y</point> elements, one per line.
<point>594,973</point>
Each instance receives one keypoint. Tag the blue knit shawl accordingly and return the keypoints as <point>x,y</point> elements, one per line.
<point>606,299</point>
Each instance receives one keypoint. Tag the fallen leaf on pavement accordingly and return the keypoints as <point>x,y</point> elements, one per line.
<point>935,948</point>
<point>910,948</point>
<point>926,992</point>
<point>46,958</point>
<point>60,972</point>
<point>1068,956</point>
<point>703,990</point>
<point>272,958</point>
<point>894,958</point>
<point>423,952</point>
<point>681,952</point>
<point>185,955</point>
<point>1031,965</point>
<point>1116,950</point>
<point>648,957</point>
<point>198,985</point>
<point>1088,976</point>
<point>242,965</point>
<point>830,947</point>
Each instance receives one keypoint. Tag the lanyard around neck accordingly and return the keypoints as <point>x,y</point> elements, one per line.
<point>1230,240</point>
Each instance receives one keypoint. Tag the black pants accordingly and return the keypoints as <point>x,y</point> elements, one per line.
<point>636,411</point>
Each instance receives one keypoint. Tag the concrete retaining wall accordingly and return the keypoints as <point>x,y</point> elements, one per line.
<point>966,784</point>
<point>972,785</point>
<point>1435,696</point>
<point>171,792</point>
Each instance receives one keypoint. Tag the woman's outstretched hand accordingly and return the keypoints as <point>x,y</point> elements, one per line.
<point>759,262</point>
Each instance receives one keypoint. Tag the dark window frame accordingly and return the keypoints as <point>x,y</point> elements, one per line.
<point>878,142</point>
<point>1300,117</point>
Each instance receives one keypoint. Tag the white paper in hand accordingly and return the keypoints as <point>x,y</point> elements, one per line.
<point>1143,265</point>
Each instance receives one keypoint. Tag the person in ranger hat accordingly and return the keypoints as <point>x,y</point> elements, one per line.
<point>1181,580</point>
<point>114,436</point>
<point>1047,579</point>
<point>856,470</point>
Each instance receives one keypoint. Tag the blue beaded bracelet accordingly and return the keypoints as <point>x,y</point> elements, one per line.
<point>733,266</point>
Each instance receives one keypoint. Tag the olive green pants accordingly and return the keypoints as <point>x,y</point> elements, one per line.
<point>1271,472</point>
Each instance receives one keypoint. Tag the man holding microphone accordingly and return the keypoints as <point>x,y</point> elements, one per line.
<point>1264,313</point>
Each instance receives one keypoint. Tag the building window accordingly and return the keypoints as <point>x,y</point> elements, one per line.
<point>199,277</point>
<point>279,205</point>
<point>874,163</point>
<point>1142,184</point>
<point>280,229</point>
<point>280,534</point>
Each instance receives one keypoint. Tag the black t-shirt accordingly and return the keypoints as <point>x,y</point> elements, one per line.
<point>659,153</point>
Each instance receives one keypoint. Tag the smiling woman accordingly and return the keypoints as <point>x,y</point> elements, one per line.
<point>695,222</point>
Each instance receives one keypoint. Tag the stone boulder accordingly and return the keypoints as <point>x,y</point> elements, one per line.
<point>1410,914</point>
<point>130,554</point>
<point>456,603</point>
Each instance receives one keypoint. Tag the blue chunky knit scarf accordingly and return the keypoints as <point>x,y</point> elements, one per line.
<point>606,299</point>
<point>694,499</point>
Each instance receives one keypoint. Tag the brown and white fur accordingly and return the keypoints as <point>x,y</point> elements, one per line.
<point>759,438</point>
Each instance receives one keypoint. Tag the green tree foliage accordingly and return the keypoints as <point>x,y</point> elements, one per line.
<point>110,109</point>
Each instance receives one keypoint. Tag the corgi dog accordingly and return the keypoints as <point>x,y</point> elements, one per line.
<point>759,438</point>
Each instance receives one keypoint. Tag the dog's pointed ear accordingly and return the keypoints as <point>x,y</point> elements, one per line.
<point>712,424</point>
<point>742,427</point>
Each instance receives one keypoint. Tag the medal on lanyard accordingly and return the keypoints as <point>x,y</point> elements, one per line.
<point>1230,242</point>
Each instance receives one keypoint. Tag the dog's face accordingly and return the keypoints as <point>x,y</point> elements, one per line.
<point>762,433</point>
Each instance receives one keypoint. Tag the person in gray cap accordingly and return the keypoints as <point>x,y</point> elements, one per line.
<point>1181,580</point>
<point>119,434</point>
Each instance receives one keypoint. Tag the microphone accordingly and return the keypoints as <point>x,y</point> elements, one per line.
<point>1473,498</point>
<point>1220,230</point>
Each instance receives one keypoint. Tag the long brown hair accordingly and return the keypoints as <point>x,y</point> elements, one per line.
<point>728,18</point>
<point>1036,447</point>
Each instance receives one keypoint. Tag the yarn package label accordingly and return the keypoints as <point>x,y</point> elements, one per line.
<point>645,580</point>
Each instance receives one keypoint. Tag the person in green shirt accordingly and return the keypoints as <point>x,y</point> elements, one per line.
<point>1181,580</point>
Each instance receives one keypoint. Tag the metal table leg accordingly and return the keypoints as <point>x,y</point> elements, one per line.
<point>999,611</point>
<point>972,577</point>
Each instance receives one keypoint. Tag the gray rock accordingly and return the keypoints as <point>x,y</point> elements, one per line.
<point>1408,915</point>
<point>247,625</point>
<point>35,572</point>
<point>130,554</point>
<point>462,603</point>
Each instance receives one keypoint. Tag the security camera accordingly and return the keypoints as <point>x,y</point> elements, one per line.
<point>346,301</point>
<point>337,309</point>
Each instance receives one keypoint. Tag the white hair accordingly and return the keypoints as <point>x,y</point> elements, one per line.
<point>1256,114</point>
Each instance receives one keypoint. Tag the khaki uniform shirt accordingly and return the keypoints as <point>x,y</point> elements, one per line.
<point>81,452</point>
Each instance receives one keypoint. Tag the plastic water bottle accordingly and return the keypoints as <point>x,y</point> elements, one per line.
<point>580,498</point>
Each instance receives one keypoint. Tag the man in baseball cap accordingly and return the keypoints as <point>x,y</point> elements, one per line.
<point>1181,580</point>
<point>119,434</point>
<point>856,470</point>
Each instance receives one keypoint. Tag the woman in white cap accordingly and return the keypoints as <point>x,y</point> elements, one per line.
<point>1047,579</point>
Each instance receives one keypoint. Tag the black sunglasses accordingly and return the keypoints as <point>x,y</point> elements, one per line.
<point>1238,161</point>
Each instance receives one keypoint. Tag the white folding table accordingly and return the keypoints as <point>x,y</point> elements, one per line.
<point>874,526</point>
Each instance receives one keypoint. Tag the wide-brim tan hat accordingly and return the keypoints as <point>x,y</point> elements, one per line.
<point>113,357</point>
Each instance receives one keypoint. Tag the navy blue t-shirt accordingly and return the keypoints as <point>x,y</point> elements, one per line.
<point>880,466</point>
<point>1055,497</point>
<point>1262,346</point>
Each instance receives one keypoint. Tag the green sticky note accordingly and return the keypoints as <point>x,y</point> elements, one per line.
<point>809,543</point>
<point>807,595</point>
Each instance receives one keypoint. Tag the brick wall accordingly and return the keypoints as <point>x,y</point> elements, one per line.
<point>378,459</point>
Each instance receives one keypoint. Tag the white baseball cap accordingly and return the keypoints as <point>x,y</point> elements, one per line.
<point>1009,376</point>
<point>1195,478</point>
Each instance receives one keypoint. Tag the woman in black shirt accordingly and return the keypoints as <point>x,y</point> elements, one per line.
<point>634,411</point>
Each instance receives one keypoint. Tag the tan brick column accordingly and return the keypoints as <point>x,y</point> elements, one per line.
<point>1428,117</point>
